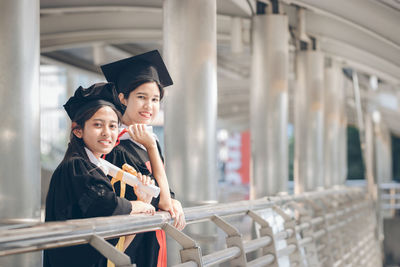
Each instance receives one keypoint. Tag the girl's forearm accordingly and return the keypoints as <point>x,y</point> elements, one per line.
<point>159,174</point>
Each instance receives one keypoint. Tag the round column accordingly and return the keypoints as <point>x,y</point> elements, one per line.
<point>236,35</point>
<point>309,122</point>
<point>19,123</point>
<point>332,119</point>
<point>191,103</point>
<point>269,105</point>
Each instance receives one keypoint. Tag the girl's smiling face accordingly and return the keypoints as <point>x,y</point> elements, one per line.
<point>142,105</point>
<point>100,132</point>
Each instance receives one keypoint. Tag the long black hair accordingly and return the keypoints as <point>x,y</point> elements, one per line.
<point>76,145</point>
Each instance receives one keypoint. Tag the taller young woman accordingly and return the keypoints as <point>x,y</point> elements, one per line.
<point>140,82</point>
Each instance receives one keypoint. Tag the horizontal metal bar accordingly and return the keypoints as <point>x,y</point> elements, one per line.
<point>306,225</point>
<point>187,264</point>
<point>390,206</point>
<point>286,251</point>
<point>322,261</point>
<point>320,247</point>
<point>221,256</point>
<point>390,196</point>
<point>317,220</point>
<point>285,234</point>
<point>302,226</point>
<point>389,186</point>
<point>318,234</point>
<point>305,241</point>
<point>252,245</point>
<point>56,234</point>
<point>262,261</point>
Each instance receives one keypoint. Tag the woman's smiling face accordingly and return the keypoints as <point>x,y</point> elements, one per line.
<point>100,132</point>
<point>142,105</point>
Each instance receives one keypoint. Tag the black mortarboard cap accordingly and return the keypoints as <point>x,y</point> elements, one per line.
<point>133,70</point>
<point>96,94</point>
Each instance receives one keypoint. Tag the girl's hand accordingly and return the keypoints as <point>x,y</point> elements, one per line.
<point>139,134</point>
<point>174,208</point>
<point>141,207</point>
<point>180,221</point>
<point>141,195</point>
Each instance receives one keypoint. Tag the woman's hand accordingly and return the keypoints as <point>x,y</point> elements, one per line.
<point>141,195</point>
<point>139,134</point>
<point>141,207</point>
<point>180,221</point>
<point>174,208</point>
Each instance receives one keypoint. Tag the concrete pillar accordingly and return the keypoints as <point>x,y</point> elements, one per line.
<point>342,169</point>
<point>191,103</point>
<point>19,123</point>
<point>269,105</point>
<point>332,119</point>
<point>369,155</point>
<point>383,150</point>
<point>342,175</point>
<point>236,35</point>
<point>309,122</point>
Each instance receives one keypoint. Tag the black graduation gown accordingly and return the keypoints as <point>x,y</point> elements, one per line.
<point>79,189</point>
<point>144,248</point>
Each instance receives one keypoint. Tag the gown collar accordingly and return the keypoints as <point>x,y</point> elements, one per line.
<point>96,161</point>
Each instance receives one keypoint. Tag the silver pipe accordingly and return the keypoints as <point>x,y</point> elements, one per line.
<point>303,226</point>
<point>19,104</point>
<point>262,261</point>
<point>286,251</point>
<point>55,234</point>
<point>283,234</point>
<point>309,105</point>
<point>236,35</point>
<point>221,256</point>
<point>305,241</point>
<point>389,196</point>
<point>269,105</point>
<point>20,122</point>
<point>333,122</point>
<point>187,264</point>
<point>252,245</point>
<point>366,136</point>
<point>389,186</point>
<point>318,234</point>
<point>191,103</point>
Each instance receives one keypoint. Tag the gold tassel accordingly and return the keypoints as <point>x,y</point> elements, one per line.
<point>121,241</point>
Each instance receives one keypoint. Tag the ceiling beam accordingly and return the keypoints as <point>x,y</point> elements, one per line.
<point>369,16</point>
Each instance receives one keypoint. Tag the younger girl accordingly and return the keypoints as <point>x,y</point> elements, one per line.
<point>79,187</point>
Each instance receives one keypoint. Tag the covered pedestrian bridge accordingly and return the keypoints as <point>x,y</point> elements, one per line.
<point>281,131</point>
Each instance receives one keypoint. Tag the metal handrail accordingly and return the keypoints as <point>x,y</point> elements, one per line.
<point>389,186</point>
<point>73,232</point>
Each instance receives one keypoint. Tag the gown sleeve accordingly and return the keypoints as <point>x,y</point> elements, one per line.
<point>79,189</point>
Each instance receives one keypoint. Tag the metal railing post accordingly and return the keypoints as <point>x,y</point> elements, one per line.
<point>342,219</point>
<point>327,239</point>
<point>265,230</point>
<point>233,239</point>
<point>119,258</point>
<point>310,249</point>
<point>290,223</point>
<point>190,252</point>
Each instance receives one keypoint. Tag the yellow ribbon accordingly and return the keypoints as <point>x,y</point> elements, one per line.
<point>121,241</point>
<point>128,168</point>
